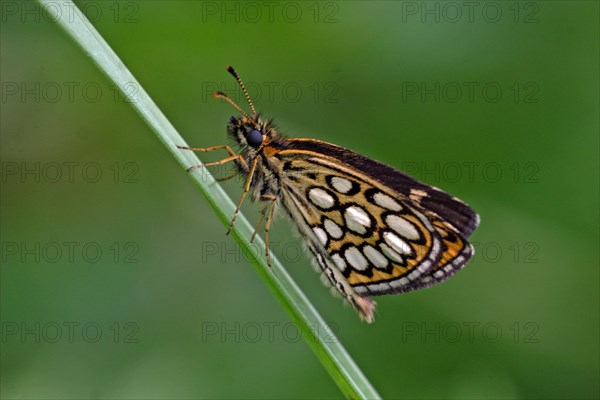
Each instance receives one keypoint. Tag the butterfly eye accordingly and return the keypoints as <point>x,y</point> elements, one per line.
<point>254,138</point>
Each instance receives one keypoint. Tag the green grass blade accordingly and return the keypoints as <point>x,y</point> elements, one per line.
<point>315,331</point>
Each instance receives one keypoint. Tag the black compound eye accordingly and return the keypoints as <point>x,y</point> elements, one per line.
<point>254,138</point>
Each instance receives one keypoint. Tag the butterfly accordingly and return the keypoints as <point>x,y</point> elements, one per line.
<point>371,229</point>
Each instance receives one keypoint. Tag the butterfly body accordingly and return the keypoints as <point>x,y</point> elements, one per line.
<point>266,178</point>
<point>371,229</point>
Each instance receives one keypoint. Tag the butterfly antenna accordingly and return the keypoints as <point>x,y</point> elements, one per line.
<point>239,81</point>
<point>221,95</point>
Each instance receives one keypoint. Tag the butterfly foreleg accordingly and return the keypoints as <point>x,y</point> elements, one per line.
<point>206,149</point>
<point>220,162</point>
<point>232,157</point>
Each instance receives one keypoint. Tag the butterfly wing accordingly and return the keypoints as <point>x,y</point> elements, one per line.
<point>452,209</point>
<point>367,236</point>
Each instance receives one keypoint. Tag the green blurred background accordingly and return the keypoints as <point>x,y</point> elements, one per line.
<point>118,280</point>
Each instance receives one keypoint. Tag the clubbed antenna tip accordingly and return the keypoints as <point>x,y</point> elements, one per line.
<point>239,81</point>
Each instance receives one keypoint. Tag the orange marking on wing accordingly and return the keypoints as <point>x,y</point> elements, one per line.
<point>453,244</point>
<point>398,271</point>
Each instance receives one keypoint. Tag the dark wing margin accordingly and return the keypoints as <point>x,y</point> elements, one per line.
<point>450,208</point>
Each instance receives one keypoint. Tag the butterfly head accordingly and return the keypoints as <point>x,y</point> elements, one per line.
<point>249,132</point>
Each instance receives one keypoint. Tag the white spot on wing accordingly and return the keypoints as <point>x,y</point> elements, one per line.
<point>321,235</point>
<point>341,185</point>
<point>356,259</point>
<point>385,201</point>
<point>400,282</point>
<point>414,275</point>
<point>321,198</point>
<point>402,226</point>
<point>360,289</point>
<point>339,262</point>
<point>391,254</point>
<point>333,229</point>
<point>424,267</point>
<point>379,287</point>
<point>396,243</point>
<point>378,259</point>
<point>357,219</point>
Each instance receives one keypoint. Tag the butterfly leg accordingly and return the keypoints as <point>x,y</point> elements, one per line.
<point>265,197</point>
<point>246,189</point>
<point>262,216</point>
<point>268,226</point>
<point>228,177</point>
<point>220,162</point>
<point>239,160</point>
<point>206,149</point>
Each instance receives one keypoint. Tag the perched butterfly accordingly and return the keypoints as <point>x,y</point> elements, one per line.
<point>372,230</point>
